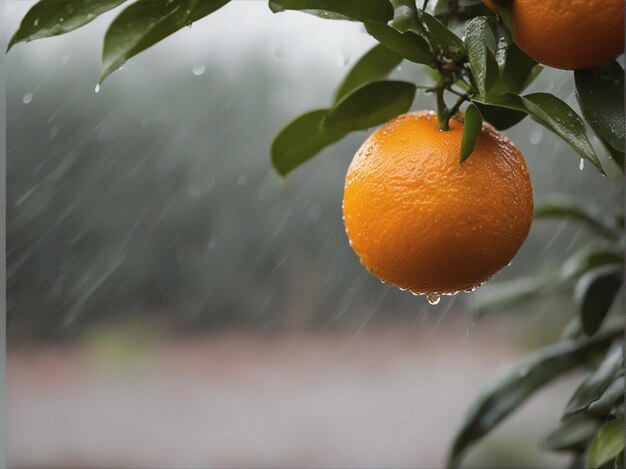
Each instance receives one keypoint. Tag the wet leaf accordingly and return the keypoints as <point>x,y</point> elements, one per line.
<point>377,63</point>
<point>501,118</point>
<point>600,94</point>
<point>53,17</point>
<point>518,72</point>
<point>441,34</point>
<point>358,10</point>
<point>460,10</point>
<point>562,207</point>
<point>609,399</point>
<point>558,117</point>
<point>574,433</point>
<point>370,105</point>
<point>472,126</point>
<point>146,22</point>
<point>405,16</point>
<point>511,389</point>
<point>479,41</point>
<point>595,293</point>
<point>589,259</point>
<point>597,383</point>
<point>507,18</point>
<point>408,44</point>
<point>499,297</point>
<point>301,139</point>
<point>616,156</point>
<point>607,444</point>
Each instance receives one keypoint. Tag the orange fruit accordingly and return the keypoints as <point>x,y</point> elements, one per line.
<point>420,220</point>
<point>568,34</point>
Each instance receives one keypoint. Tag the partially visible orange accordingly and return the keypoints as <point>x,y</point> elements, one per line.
<point>419,219</point>
<point>568,34</point>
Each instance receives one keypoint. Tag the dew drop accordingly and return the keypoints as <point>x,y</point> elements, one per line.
<point>97,88</point>
<point>581,165</point>
<point>433,298</point>
<point>28,97</point>
<point>198,70</point>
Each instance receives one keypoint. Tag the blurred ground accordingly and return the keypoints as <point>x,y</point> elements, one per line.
<point>380,398</point>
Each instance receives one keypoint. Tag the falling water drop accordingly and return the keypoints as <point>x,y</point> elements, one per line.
<point>279,53</point>
<point>535,135</point>
<point>581,165</point>
<point>198,69</point>
<point>97,88</point>
<point>28,97</point>
<point>65,59</point>
<point>433,298</point>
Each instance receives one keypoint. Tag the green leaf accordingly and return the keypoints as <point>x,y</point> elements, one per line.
<point>479,41</point>
<point>500,117</point>
<point>377,63</point>
<point>301,139</point>
<point>472,126</point>
<point>370,105</point>
<point>518,72</point>
<point>379,11</point>
<point>499,297</point>
<point>510,390</point>
<point>609,398</point>
<point>405,16</point>
<point>459,10</point>
<point>607,444</point>
<point>600,94</point>
<point>616,156</point>
<point>441,34</point>
<point>507,18</point>
<point>146,22</point>
<point>563,207</point>
<point>595,293</point>
<point>409,45</point>
<point>589,259</point>
<point>503,41</point>
<point>597,383</point>
<point>572,434</point>
<point>53,17</point>
<point>558,117</point>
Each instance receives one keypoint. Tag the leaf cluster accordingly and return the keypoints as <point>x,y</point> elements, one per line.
<point>591,427</point>
<point>484,71</point>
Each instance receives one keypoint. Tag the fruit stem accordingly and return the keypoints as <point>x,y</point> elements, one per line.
<point>442,110</point>
<point>457,105</point>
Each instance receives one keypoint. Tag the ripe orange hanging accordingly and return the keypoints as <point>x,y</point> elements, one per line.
<point>568,34</point>
<point>419,219</point>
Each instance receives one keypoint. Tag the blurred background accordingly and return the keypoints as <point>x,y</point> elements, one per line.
<point>173,302</point>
